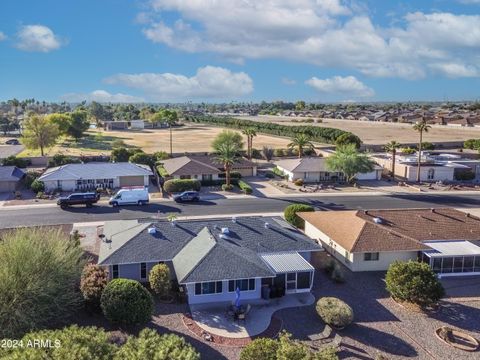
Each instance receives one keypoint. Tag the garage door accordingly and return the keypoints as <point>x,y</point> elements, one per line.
<point>131,181</point>
<point>245,171</point>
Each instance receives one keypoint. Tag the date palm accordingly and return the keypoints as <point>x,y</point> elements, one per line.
<point>421,127</point>
<point>391,147</point>
<point>170,117</point>
<point>250,133</point>
<point>227,146</point>
<point>300,142</point>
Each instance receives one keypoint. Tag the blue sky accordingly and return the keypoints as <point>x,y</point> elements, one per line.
<point>179,50</point>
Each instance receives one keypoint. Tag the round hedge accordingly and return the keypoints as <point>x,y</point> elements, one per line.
<point>181,185</point>
<point>334,312</point>
<point>126,302</point>
<point>260,349</point>
<point>290,214</point>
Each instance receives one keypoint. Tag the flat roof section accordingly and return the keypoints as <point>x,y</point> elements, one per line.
<point>452,248</point>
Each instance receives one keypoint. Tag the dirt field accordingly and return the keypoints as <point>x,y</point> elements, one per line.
<point>381,133</point>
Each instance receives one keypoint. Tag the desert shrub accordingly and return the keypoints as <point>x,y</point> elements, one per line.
<point>428,146</point>
<point>93,281</point>
<point>291,216</point>
<point>408,151</point>
<point>298,182</point>
<point>180,185</point>
<point>348,138</point>
<point>472,144</point>
<point>118,143</point>
<point>233,175</point>
<point>126,302</point>
<point>12,160</point>
<point>226,187</point>
<point>37,186</point>
<point>247,189</point>
<point>159,279</point>
<point>465,175</point>
<point>44,282</point>
<point>261,348</point>
<point>278,153</point>
<point>334,312</point>
<point>413,282</point>
<point>267,153</point>
<point>142,158</point>
<point>30,177</point>
<point>61,159</point>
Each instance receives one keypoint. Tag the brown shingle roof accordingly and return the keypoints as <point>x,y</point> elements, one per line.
<point>186,166</point>
<point>399,230</point>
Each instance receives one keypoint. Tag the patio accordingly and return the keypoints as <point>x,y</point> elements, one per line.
<point>213,318</point>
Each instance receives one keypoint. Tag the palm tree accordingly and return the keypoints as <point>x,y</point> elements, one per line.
<point>227,146</point>
<point>421,127</point>
<point>301,142</point>
<point>392,147</point>
<point>250,133</point>
<point>170,117</point>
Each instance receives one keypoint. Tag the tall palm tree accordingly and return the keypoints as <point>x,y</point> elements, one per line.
<point>250,133</point>
<point>227,146</point>
<point>300,142</point>
<point>421,127</point>
<point>170,117</point>
<point>391,147</point>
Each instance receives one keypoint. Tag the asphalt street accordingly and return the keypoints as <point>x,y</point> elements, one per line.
<point>36,215</point>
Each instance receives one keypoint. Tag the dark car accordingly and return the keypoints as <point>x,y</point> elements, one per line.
<point>12,142</point>
<point>187,196</point>
<point>78,199</point>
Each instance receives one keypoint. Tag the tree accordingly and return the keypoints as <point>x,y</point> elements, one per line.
<point>61,120</point>
<point>420,127</point>
<point>348,138</point>
<point>300,105</point>
<point>159,279</point>
<point>171,118</point>
<point>267,153</point>
<point>39,133</point>
<point>334,312</point>
<point>37,186</point>
<point>78,124</point>
<point>126,302</point>
<point>250,133</point>
<point>120,154</point>
<point>349,161</point>
<point>290,214</point>
<point>37,288</point>
<point>150,345</point>
<point>392,147</point>
<point>96,112</point>
<point>227,146</point>
<point>142,158</point>
<point>93,281</point>
<point>300,142</point>
<point>413,282</point>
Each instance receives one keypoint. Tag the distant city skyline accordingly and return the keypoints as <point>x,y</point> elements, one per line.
<point>161,51</point>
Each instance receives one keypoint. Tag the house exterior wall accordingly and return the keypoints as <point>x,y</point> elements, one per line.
<point>71,185</point>
<point>372,175</point>
<point>409,171</point>
<point>133,271</point>
<point>384,260</point>
<point>197,176</point>
<point>225,295</point>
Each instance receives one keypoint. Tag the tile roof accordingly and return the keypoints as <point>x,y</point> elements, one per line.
<point>11,173</point>
<point>199,164</point>
<point>397,230</point>
<point>304,164</point>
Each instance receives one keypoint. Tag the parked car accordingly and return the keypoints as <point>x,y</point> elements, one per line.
<point>86,199</point>
<point>12,142</point>
<point>130,196</point>
<point>187,196</point>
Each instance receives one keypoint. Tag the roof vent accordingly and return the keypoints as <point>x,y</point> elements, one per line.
<point>266,225</point>
<point>173,222</point>
<point>234,219</point>
<point>432,210</point>
<point>378,220</point>
<point>225,230</point>
<point>152,230</point>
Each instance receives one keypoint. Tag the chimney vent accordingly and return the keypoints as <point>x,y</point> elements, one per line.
<point>378,220</point>
<point>152,230</point>
<point>266,225</point>
<point>234,219</point>
<point>225,230</point>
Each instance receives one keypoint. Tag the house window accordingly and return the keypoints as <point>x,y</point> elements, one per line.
<point>371,256</point>
<point>207,177</point>
<point>243,285</point>
<point>185,176</point>
<point>143,270</point>
<point>206,288</point>
<point>114,271</point>
<point>431,174</point>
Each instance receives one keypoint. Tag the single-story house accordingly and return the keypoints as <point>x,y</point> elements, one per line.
<point>115,125</point>
<point>90,176</point>
<point>137,124</point>
<point>211,258</point>
<point>10,177</point>
<point>203,167</point>
<point>314,169</point>
<point>370,240</point>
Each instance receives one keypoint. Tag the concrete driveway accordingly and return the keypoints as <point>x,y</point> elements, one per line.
<point>8,150</point>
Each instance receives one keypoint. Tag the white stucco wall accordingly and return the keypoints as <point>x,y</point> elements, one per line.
<point>442,173</point>
<point>198,177</point>
<point>383,262</point>
<point>225,296</point>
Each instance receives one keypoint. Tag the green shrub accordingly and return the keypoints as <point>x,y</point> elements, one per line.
<point>413,282</point>
<point>298,182</point>
<point>408,151</point>
<point>269,175</point>
<point>12,160</point>
<point>247,189</point>
<point>256,154</point>
<point>37,186</point>
<point>260,349</point>
<point>278,172</point>
<point>181,185</point>
<point>30,177</point>
<point>348,138</point>
<point>226,187</point>
<point>159,279</point>
<point>291,216</point>
<point>427,146</point>
<point>278,153</point>
<point>160,155</point>
<point>233,175</point>
<point>472,144</point>
<point>162,171</point>
<point>93,281</point>
<point>334,312</point>
<point>60,159</point>
<point>126,302</point>
<point>142,158</point>
<point>118,143</point>
<point>465,175</point>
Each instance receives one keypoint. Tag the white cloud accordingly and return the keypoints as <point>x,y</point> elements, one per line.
<point>348,85</point>
<point>208,83</point>
<point>37,38</point>
<point>102,96</point>
<point>324,33</point>
<point>2,36</point>
<point>288,81</point>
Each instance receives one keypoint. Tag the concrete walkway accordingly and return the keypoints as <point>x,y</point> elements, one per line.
<point>213,318</point>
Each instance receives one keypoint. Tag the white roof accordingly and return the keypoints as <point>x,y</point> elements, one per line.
<point>287,262</point>
<point>451,248</point>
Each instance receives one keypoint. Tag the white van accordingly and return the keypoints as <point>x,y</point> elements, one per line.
<point>135,195</point>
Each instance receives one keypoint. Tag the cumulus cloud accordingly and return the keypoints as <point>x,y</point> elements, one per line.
<point>324,33</point>
<point>348,85</point>
<point>2,36</point>
<point>102,96</point>
<point>38,38</point>
<point>209,82</point>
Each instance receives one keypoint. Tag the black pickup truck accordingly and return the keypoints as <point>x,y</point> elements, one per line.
<point>78,199</point>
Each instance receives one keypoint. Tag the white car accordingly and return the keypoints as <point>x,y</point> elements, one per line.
<point>130,196</point>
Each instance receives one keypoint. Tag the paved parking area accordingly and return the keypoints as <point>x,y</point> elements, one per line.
<point>8,150</point>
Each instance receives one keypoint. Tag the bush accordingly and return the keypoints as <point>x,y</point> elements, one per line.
<point>260,349</point>
<point>60,159</point>
<point>278,172</point>
<point>413,282</point>
<point>118,143</point>
<point>226,187</point>
<point>298,182</point>
<point>180,185</point>
<point>122,154</point>
<point>12,160</point>
<point>408,151</point>
<point>233,175</point>
<point>348,138</point>
<point>126,302</point>
<point>247,189</point>
<point>160,155</point>
<point>472,144</point>
<point>334,312</point>
<point>30,177</point>
<point>465,175</point>
<point>278,153</point>
<point>93,281</point>
<point>291,216</point>
<point>159,279</point>
<point>142,158</point>
<point>269,175</point>
<point>37,186</point>
<point>267,153</point>
<point>256,154</point>
<point>44,282</point>
<point>427,146</point>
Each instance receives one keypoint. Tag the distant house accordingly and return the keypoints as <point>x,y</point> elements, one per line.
<point>115,125</point>
<point>90,176</point>
<point>211,259</point>
<point>10,178</point>
<point>137,124</point>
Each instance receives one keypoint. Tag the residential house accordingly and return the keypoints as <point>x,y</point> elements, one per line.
<point>10,178</point>
<point>137,124</point>
<point>90,176</point>
<point>115,125</point>
<point>370,240</point>
<point>211,258</point>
